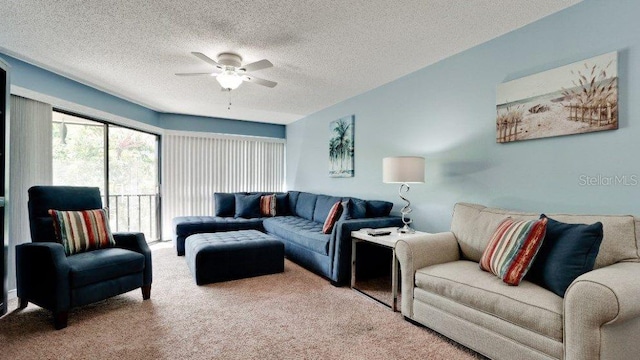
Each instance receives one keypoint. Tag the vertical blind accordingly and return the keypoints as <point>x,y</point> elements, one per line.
<point>30,164</point>
<point>196,166</point>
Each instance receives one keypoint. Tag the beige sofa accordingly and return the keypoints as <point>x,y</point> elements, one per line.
<point>444,289</point>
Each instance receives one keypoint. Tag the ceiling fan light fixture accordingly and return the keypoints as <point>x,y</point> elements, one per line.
<point>229,79</point>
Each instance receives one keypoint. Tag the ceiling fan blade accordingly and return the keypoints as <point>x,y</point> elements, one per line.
<point>205,58</point>
<point>258,65</point>
<point>195,74</point>
<point>259,81</point>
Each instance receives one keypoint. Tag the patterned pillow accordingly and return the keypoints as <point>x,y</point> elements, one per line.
<point>268,205</point>
<point>512,248</point>
<point>80,231</point>
<point>332,218</point>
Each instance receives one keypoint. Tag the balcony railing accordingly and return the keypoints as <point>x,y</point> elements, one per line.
<point>135,212</point>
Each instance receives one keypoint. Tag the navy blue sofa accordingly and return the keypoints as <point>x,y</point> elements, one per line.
<point>298,224</point>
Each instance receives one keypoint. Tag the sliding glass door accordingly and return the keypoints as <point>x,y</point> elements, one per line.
<point>122,162</point>
<point>133,180</point>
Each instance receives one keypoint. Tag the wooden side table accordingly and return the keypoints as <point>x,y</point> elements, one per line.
<point>388,241</point>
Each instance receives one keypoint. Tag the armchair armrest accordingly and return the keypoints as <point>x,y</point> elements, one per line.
<point>594,304</point>
<point>42,274</point>
<point>135,241</point>
<point>416,253</point>
<point>340,245</point>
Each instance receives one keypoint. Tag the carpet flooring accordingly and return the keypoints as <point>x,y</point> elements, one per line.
<point>292,315</point>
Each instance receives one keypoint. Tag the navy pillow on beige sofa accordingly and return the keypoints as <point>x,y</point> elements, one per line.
<point>568,251</point>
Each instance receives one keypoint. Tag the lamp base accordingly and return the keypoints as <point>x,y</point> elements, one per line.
<point>406,230</point>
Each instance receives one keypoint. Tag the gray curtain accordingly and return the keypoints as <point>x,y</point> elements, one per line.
<point>30,155</point>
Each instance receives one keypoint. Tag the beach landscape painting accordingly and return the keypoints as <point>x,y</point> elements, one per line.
<point>573,99</point>
<point>341,147</point>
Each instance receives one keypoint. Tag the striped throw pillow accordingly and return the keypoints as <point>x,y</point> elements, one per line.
<point>332,218</point>
<point>512,248</point>
<point>80,231</point>
<point>268,205</point>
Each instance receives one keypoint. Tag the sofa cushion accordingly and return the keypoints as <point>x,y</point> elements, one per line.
<point>473,225</point>
<point>282,204</point>
<point>247,206</point>
<point>334,214</point>
<point>528,305</point>
<point>324,203</point>
<point>84,230</point>
<point>357,208</point>
<point>378,208</point>
<point>293,201</point>
<point>306,233</point>
<point>568,251</point>
<point>225,204</point>
<point>306,205</point>
<point>512,248</point>
<point>105,264</point>
<point>268,205</point>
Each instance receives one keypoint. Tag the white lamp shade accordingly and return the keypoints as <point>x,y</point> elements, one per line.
<point>403,169</point>
<point>229,80</point>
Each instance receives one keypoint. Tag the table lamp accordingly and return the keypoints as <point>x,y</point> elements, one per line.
<point>403,170</point>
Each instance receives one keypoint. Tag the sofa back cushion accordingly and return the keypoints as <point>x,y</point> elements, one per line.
<point>306,205</point>
<point>323,207</point>
<point>473,225</point>
<point>292,199</point>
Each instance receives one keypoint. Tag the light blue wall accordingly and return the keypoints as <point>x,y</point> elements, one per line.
<point>446,113</point>
<point>37,79</point>
<point>43,81</point>
<point>219,125</point>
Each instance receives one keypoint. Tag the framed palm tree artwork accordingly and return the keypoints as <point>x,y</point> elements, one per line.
<point>341,147</point>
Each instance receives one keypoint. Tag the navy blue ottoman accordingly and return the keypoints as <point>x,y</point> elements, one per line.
<point>221,256</point>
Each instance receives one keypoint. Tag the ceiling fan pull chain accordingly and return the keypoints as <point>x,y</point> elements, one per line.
<point>229,107</point>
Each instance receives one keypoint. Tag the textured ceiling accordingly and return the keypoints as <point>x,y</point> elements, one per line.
<point>323,51</point>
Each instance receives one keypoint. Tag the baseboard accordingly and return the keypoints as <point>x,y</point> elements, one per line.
<point>12,294</point>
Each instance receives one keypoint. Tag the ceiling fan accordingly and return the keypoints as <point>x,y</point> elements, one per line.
<point>230,72</point>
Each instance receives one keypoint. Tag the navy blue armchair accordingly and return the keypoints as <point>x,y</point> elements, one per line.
<point>54,281</point>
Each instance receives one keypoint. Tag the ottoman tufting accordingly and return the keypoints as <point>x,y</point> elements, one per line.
<point>221,256</point>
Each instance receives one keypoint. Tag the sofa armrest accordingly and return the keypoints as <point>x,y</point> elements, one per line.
<point>598,302</point>
<point>340,246</point>
<point>416,253</point>
<point>135,241</point>
<point>42,274</point>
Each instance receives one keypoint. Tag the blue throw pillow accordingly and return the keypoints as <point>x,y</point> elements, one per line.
<point>357,208</point>
<point>282,204</point>
<point>378,208</point>
<point>225,204</point>
<point>247,206</point>
<point>568,251</point>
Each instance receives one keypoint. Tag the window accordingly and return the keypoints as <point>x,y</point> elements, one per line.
<point>122,162</point>
<point>195,166</point>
